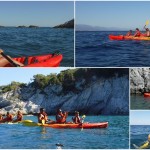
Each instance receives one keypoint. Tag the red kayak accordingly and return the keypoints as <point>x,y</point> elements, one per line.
<point>50,60</point>
<point>146,94</point>
<point>74,126</point>
<point>122,37</point>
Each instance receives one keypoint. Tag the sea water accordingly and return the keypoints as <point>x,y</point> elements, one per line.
<point>94,49</point>
<point>18,42</point>
<point>22,137</point>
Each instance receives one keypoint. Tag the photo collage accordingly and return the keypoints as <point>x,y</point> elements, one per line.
<point>74,75</point>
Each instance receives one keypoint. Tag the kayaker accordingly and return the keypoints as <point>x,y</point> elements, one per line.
<point>42,116</point>
<point>147,34</point>
<point>4,61</point>
<point>8,118</point>
<point>1,118</point>
<point>77,118</point>
<point>19,117</point>
<point>61,117</point>
<point>129,33</point>
<point>137,33</point>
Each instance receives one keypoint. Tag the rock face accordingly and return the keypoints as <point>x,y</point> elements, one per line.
<point>68,24</point>
<point>109,96</point>
<point>139,80</point>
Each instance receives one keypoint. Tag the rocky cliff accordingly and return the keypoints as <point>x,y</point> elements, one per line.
<point>100,93</point>
<point>139,80</point>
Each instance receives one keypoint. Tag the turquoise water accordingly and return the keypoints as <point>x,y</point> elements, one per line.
<point>139,102</point>
<point>18,42</point>
<point>23,137</point>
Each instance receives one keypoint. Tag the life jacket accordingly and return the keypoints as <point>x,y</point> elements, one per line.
<point>19,117</point>
<point>60,118</point>
<point>138,33</point>
<point>9,118</point>
<point>76,119</point>
<point>44,117</point>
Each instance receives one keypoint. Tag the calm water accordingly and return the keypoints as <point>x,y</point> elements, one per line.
<point>94,49</point>
<point>115,136</point>
<point>139,102</point>
<point>139,134</point>
<point>28,42</point>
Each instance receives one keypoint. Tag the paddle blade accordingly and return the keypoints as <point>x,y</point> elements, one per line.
<point>147,22</point>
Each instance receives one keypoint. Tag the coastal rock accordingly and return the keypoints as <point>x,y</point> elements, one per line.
<point>22,26</point>
<point>68,24</point>
<point>33,26</point>
<point>108,96</point>
<point>139,80</point>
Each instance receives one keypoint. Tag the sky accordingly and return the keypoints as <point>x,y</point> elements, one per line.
<point>7,75</point>
<point>140,117</point>
<point>127,14</point>
<point>46,13</point>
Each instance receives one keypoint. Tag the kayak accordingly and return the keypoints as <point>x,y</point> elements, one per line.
<point>70,125</point>
<point>50,60</point>
<point>146,145</point>
<point>146,94</point>
<point>122,37</point>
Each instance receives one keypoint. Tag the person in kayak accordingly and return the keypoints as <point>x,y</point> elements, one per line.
<point>61,117</point>
<point>147,34</point>
<point>129,33</point>
<point>8,118</point>
<point>137,33</point>
<point>19,117</point>
<point>146,144</point>
<point>4,61</point>
<point>1,118</point>
<point>77,118</point>
<point>42,116</point>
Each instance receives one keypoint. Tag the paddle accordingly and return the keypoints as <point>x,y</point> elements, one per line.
<point>9,59</point>
<point>83,117</point>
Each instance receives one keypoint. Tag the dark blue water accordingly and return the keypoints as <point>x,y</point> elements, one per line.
<point>139,134</point>
<point>139,102</point>
<point>29,42</point>
<point>94,49</point>
<point>115,136</point>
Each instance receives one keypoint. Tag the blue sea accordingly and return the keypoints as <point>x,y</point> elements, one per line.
<point>94,49</point>
<point>139,102</point>
<point>139,134</point>
<point>18,42</point>
<point>115,136</point>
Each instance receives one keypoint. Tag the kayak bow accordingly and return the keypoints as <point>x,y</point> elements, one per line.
<point>50,60</point>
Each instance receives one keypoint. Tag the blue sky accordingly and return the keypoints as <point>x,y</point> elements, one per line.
<point>140,117</point>
<point>46,13</point>
<point>7,75</point>
<point>113,14</point>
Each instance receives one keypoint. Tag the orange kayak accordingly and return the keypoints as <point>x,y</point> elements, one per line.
<point>68,125</point>
<point>122,37</point>
<point>74,126</point>
<point>50,60</point>
<point>146,94</point>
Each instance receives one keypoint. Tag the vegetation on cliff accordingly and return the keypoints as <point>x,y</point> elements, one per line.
<point>68,78</point>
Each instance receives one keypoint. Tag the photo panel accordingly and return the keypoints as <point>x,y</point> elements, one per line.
<point>37,33</point>
<point>48,108</point>
<point>111,34</point>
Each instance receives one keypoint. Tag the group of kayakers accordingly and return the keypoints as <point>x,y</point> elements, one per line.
<point>138,33</point>
<point>43,117</point>
<point>60,117</point>
<point>9,117</point>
